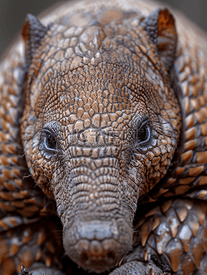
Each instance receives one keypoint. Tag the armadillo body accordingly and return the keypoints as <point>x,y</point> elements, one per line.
<point>103,137</point>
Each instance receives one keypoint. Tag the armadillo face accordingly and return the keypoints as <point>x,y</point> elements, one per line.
<point>100,128</point>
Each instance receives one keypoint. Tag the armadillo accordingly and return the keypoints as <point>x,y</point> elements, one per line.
<point>103,137</point>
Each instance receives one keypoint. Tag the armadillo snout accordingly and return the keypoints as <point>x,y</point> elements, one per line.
<point>97,245</point>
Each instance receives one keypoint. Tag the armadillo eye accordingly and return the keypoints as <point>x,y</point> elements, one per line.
<point>144,133</point>
<point>49,141</point>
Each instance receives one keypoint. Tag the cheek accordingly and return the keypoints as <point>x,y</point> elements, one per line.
<point>146,169</point>
<point>131,192</point>
<point>61,194</point>
<point>136,179</point>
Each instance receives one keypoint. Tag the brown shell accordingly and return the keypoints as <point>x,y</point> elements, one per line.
<point>174,232</point>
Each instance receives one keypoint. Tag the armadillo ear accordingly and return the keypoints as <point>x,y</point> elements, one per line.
<point>32,33</point>
<point>160,25</point>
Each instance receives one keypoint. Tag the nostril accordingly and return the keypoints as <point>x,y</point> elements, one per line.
<point>111,255</point>
<point>84,257</point>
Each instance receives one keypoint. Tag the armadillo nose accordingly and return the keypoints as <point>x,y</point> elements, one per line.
<point>97,245</point>
<point>98,252</point>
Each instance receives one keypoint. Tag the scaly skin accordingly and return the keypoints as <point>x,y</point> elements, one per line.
<point>113,129</point>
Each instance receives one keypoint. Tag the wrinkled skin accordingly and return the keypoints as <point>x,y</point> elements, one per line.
<point>100,126</point>
<point>118,171</point>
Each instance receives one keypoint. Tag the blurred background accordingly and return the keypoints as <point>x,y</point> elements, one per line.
<point>13,12</point>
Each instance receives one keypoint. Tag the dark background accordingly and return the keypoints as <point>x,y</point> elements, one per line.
<point>13,12</point>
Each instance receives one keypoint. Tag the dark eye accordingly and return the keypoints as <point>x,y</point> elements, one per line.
<point>49,141</point>
<point>144,132</point>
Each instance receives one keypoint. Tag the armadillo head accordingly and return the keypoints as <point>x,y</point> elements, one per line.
<point>100,125</point>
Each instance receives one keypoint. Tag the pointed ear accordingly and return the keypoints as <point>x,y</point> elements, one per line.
<point>160,26</point>
<point>32,33</point>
